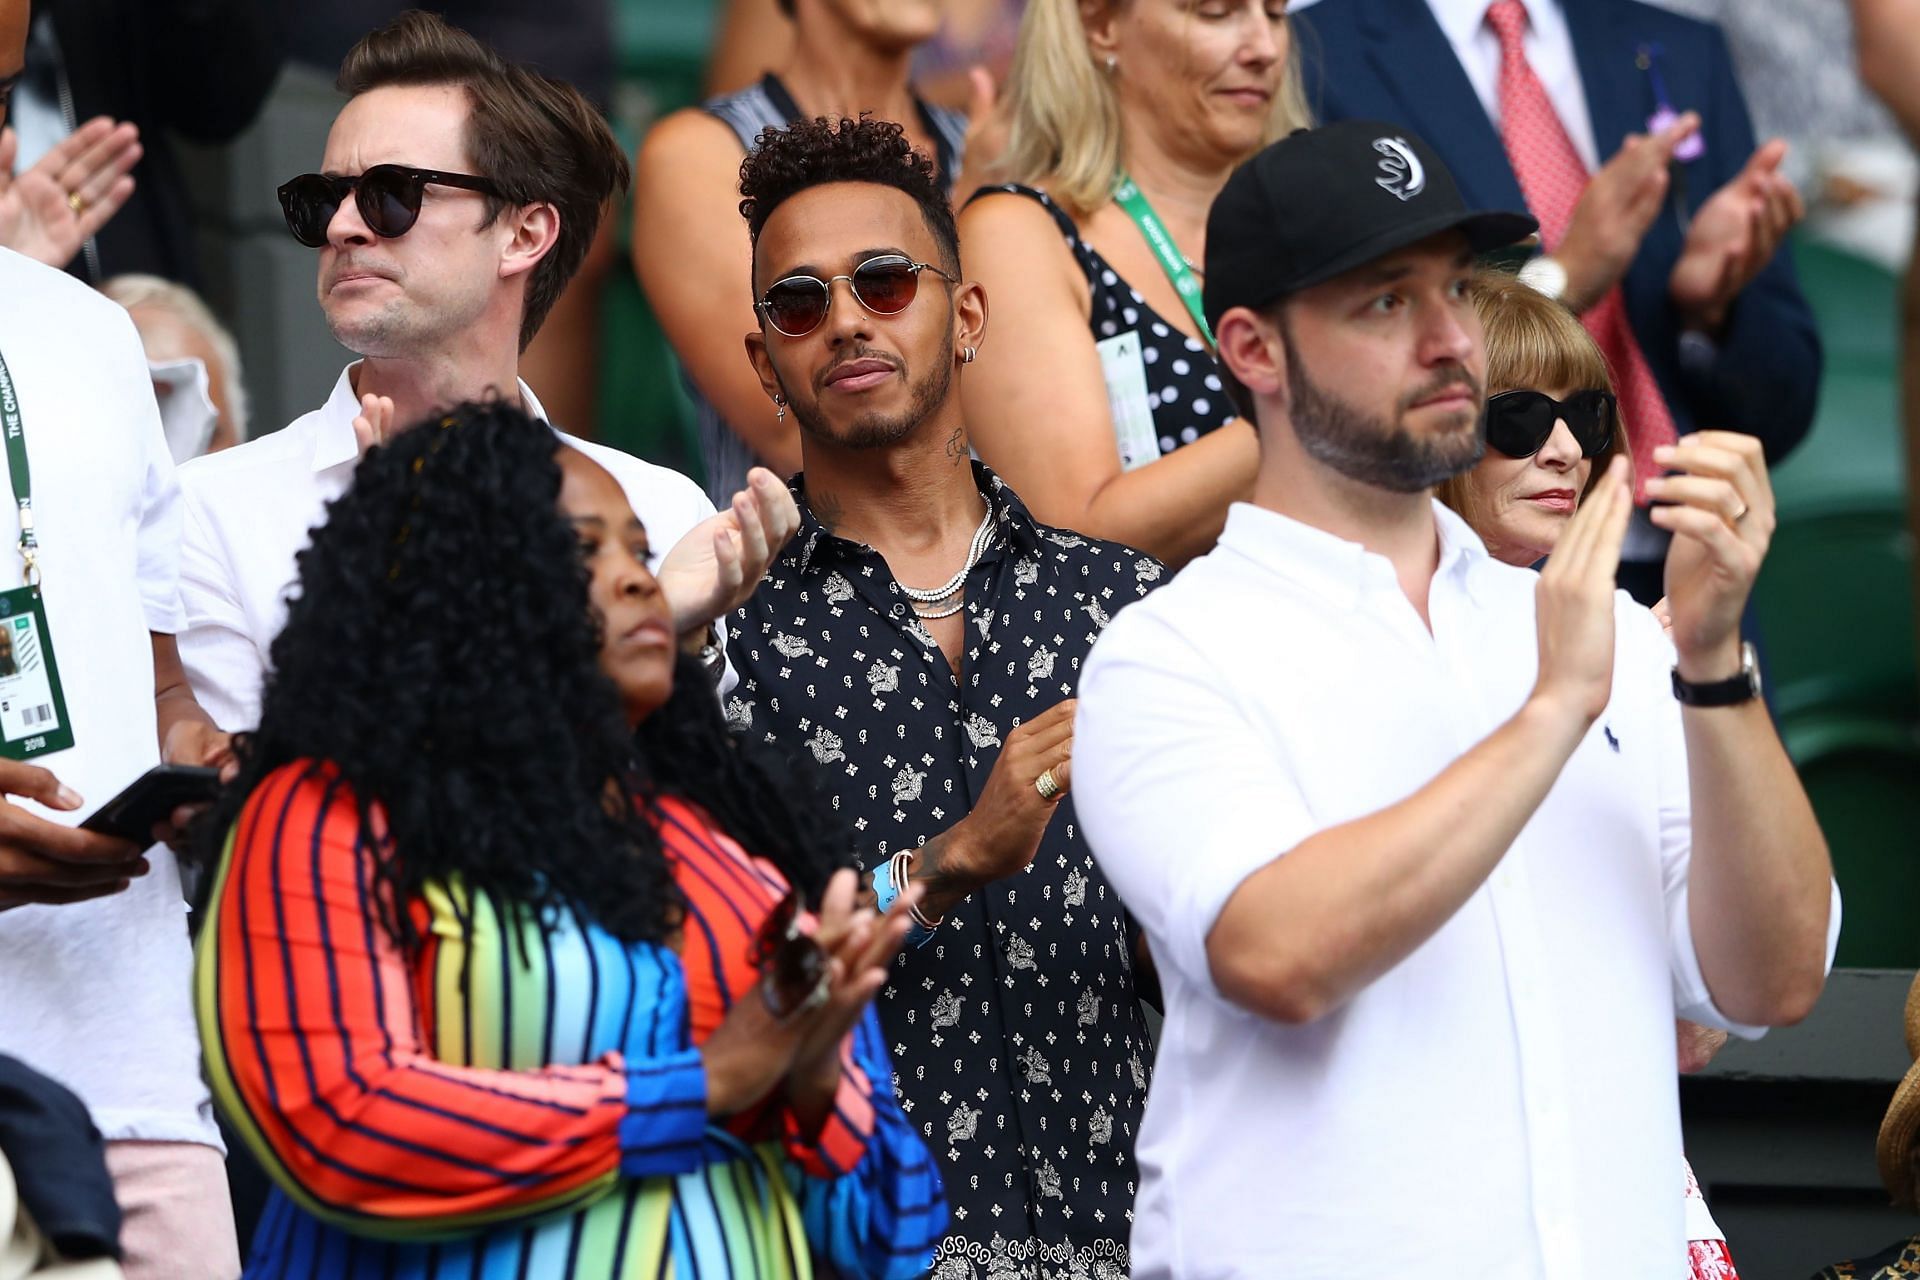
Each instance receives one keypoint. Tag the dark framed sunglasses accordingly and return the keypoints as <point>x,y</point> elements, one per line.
<point>793,966</point>
<point>388,196</point>
<point>885,286</point>
<point>1519,422</point>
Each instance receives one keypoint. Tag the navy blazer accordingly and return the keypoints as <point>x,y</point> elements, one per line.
<point>1389,60</point>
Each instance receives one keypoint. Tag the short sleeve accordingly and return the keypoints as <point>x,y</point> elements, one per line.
<point>1158,743</point>
<point>157,542</point>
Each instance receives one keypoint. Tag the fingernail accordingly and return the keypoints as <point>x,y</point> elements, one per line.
<point>1663,451</point>
<point>68,797</point>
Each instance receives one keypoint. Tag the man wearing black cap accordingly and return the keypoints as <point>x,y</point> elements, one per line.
<point>1427,850</point>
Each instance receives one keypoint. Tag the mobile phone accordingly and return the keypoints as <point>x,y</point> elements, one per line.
<point>151,798</point>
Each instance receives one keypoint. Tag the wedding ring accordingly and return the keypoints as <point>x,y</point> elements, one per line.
<point>1046,785</point>
<point>76,202</point>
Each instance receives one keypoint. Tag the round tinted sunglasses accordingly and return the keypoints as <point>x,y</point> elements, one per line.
<point>1519,422</point>
<point>794,968</point>
<point>885,286</point>
<point>388,197</point>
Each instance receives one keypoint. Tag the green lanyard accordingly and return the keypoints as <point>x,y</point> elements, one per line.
<point>17,468</point>
<point>1181,276</point>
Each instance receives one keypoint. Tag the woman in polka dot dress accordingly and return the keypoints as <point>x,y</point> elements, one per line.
<point>1097,395</point>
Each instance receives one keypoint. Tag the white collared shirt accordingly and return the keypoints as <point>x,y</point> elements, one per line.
<point>248,512</point>
<point>1549,47</point>
<point>1502,1104</point>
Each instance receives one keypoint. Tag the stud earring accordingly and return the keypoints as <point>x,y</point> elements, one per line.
<point>967,354</point>
<point>779,408</point>
<point>1113,63</point>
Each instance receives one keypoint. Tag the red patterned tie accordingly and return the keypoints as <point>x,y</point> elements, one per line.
<point>1552,176</point>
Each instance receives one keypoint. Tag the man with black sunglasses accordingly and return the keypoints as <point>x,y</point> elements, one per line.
<point>457,195</point>
<point>919,646</point>
<point>1428,845</point>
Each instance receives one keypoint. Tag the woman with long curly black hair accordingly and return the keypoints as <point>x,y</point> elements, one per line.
<point>489,980</point>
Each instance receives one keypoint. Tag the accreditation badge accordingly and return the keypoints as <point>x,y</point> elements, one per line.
<point>33,709</point>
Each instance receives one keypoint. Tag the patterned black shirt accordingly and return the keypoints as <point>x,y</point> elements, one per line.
<point>1019,1049</point>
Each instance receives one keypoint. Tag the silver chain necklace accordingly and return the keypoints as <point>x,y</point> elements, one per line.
<point>935,595</point>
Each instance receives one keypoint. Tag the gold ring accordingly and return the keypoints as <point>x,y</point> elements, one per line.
<point>1744,508</point>
<point>76,202</point>
<point>1047,785</point>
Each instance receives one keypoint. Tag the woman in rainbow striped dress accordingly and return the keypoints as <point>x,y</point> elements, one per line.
<point>505,970</point>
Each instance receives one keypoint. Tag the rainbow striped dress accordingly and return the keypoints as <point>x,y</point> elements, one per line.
<point>520,1100</point>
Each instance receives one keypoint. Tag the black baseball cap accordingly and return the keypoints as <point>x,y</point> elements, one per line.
<point>1321,202</point>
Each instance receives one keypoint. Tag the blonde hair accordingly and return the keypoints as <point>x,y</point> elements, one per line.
<point>1533,343</point>
<point>1064,125</point>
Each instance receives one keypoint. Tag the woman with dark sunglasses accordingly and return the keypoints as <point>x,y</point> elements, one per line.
<point>506,967</point>
<point>1552,423</point>
<point>1552,427</point>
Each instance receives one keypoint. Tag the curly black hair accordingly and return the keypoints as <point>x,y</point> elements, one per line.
<point>443,654</point>
<point>812,153</point>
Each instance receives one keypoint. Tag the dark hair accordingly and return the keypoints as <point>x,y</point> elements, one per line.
<point>812,153</point>
<point>443,655</point>
<point>538,139</point>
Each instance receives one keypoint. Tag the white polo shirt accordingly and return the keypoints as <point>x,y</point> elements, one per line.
<point>249,511</point>
<point>1502,1104</point>
<point>96,994</point>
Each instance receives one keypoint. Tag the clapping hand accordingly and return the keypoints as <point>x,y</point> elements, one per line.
<point>51,210</point>
<point>715,567</point>
<point>862,944</point>
<point>374,425</point>
<point>1733,237</point>
<point>1615,210</point>
<point>1574,601</point>
<point>1719,508</point>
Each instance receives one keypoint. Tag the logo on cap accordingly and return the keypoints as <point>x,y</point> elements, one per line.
<point>1400,170</point>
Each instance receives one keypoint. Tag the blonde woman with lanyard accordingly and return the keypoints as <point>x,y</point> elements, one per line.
<point>1099,399</point>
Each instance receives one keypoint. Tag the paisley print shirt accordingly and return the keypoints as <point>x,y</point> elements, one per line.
<point>1020,1053</point>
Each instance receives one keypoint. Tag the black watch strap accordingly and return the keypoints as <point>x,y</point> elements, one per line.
<point>1735,689</point>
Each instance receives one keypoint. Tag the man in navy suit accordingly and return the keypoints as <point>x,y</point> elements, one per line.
<point>1686,216</point>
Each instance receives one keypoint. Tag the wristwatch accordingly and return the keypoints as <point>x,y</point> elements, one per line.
<point>1546,275</point>
<point>1731,692</point>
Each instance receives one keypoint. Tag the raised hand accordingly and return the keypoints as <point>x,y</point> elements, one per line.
<point>862,946</point>
<point>374,424</point>
<point>1574,601</point>
<point>45,863</point>
<point>715,567</point>
<point>51,210</point>
<point>1720,510</point>
<point>1732,238</point>
<point>1614,212</point>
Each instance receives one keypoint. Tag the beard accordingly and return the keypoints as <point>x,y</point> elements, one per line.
<point>881,431</point>
<point>1373,450</point>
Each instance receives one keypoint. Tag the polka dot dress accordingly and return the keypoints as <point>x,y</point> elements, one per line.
<point>1183,378</point>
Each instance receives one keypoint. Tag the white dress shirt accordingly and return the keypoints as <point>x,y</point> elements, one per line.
<point>248,514</point>
<point>1549,48</point>
<point>1501,1104</point>
<point>96,994</point>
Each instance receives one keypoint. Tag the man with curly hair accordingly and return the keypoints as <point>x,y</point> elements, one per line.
<point>458,194</point>
<point>919,643</point>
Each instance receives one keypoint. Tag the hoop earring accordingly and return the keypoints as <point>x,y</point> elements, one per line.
<point>779,408</point>
<point>967,354</point>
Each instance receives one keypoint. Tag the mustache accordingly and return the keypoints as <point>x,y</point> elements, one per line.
<point>1446,380</point>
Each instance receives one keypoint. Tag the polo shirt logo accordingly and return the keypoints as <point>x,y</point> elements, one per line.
<point>1400,170</point>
